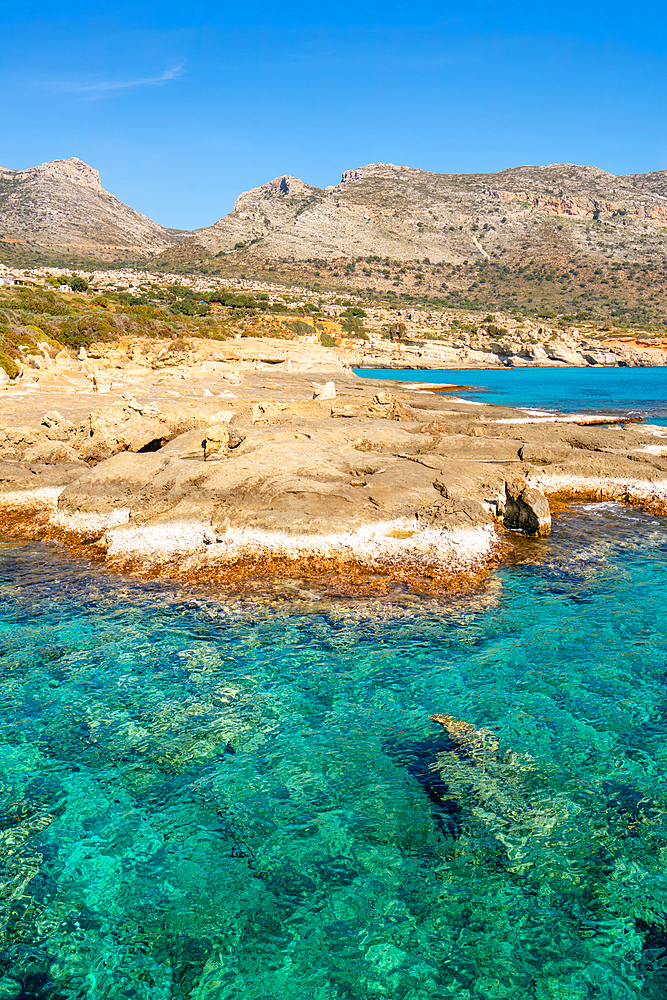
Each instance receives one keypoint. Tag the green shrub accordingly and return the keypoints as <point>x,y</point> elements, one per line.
<point>226,298</point>
<point>301,328</point>
<point>326,340</point>
<point>395,331</point>
<point>9,365</point>
<point>40,301</point>
<point>187,307</point>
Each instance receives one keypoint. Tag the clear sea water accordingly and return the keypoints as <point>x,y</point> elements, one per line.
<point>245,799</point>
<point>636,391</point>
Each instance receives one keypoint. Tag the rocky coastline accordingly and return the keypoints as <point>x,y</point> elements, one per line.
<point>233,466</point>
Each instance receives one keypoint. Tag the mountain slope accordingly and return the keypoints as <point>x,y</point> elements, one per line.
<point>407,214</point>
<point>61,208</point>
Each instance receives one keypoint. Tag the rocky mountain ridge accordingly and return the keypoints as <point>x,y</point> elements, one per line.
<point>61,207</point>
<point>556,240</point>
<point>405,213</point>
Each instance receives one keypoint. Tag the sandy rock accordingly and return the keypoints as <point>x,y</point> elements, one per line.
<point>52,418</point>
<point>111,484</point>
<point>222,417</point>
<point>63,360</point>
<point>561,352</point>
<point>265,412</point>
<point>539,453</point>
<point>526,508</point>
<point>51,453</point>
<point>348,411</point>
<point>120,427</point>
<point>537,352</point>
<point>101,383</point>
<point>326,391</point>
<point>216,442</point>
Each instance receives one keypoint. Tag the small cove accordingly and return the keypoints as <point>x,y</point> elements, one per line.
<point>636,391</point>
<point>209,798</point>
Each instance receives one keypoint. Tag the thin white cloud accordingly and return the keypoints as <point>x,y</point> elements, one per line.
<point>90,88</point>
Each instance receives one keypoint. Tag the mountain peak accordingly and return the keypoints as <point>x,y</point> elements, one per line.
<point>73,170</point>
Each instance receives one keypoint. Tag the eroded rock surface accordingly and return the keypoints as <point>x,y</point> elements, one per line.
<point>182,475</point>
<point>526,508</point>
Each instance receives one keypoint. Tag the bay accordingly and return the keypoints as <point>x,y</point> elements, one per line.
<point>635,391</point>
<point>245,799</point>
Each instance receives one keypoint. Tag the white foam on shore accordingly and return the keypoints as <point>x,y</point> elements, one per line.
<point>460,549</point>
<point>78,522</point>
<point>41,497</point>
<point>573,418</point>
<point>653,449</point>
<point>46,498</point>
<point>606,487</point>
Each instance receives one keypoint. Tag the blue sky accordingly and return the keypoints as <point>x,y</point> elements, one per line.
<point>182,106</point>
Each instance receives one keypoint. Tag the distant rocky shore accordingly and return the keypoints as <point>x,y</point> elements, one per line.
<point>249,459</point>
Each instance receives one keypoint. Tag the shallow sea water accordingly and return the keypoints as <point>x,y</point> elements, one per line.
<point>640,392</point>
<point>203,798</point>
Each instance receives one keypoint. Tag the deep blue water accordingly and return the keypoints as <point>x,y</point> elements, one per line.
<point>638,391</point>
<point>207,798</point>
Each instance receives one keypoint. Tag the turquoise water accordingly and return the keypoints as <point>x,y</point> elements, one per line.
<point>638,391</point>
<point>205,798</point>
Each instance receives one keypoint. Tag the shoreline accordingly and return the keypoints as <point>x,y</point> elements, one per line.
<point>360,484</point>
<point>442,564</point>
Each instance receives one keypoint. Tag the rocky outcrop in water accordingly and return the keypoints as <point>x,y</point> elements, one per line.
<point>226,469</point>
<point>526,508</point>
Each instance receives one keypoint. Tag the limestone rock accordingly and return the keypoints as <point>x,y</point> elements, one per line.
<point>222,417</point>
<point>561,352</point>
<point>216,442</point>
<point>51,453</point>
<point>326,391</point>
<point>538,453</point>
<point>601,357</point>
<point>101,383</point>
<point>52,418</point>
<point>526,508</point>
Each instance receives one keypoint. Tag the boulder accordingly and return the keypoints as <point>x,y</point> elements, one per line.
<point>526,508</point>
<point>216,442</point>
<point>63,360</point>
<point>326,391</point>
<point>52,418</point>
